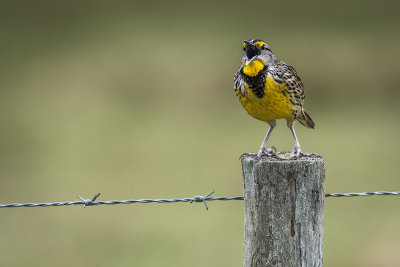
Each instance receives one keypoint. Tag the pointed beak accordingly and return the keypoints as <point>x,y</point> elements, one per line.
<point>252,52</point>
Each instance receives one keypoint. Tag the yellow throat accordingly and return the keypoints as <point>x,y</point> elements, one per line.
<point>253,68</point>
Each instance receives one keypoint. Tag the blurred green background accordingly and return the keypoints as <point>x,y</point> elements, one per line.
<point>135,100</point>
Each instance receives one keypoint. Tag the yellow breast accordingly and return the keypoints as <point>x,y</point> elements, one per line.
<point>275,104</point>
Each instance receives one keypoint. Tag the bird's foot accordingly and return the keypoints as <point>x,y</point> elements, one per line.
<point>269,152</point>
<point>298,153</point>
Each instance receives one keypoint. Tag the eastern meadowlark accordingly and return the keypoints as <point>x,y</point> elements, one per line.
<point>269,89</point>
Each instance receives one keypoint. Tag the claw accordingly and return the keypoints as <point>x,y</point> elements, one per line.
<point>269,152</point>
<point>298,153</point>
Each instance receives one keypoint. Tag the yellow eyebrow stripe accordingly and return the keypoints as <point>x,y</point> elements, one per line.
<point>259,44</point>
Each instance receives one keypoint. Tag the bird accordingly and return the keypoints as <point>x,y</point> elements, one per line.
<point>269,89</point>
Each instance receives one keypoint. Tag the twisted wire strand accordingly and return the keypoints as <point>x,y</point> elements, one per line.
<point>364,194</point>
<point>204,199</point>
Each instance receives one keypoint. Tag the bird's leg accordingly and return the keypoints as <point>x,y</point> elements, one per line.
<point>297,150</point>
<point>265,151</point>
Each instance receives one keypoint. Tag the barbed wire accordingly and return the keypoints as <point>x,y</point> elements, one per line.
<point>364,194</point>
<point>204,199</point>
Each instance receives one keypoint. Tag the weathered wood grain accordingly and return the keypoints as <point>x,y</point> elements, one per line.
<point>284,211</point>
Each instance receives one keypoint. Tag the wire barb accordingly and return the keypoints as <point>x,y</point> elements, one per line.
<point>89,202</point>
<point>202,199</point>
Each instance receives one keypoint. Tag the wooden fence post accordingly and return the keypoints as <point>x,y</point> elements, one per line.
<point>284,211</point>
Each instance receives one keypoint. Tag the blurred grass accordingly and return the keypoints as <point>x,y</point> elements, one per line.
<point>135,100</point>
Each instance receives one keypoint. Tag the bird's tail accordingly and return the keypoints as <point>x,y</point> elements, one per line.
<point>305,119</point>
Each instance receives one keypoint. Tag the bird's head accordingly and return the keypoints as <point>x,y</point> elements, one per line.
<point>256,56</point>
